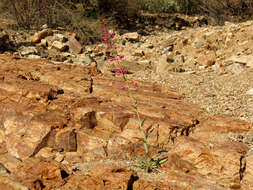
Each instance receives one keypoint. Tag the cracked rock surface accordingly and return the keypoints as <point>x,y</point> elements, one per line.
<point>57,133</point>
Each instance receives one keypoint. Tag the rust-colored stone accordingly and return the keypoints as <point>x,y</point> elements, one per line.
<point>76,116</point>
<point>41,35</point>
<point>74,45</point>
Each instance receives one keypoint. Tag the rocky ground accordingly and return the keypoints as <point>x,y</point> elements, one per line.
<point>65,124</point>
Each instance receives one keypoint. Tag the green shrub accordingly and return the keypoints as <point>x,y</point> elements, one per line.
<point>78,16</point>
<point>158,6</point>
<point>81,15</point>
<point>81,19</point>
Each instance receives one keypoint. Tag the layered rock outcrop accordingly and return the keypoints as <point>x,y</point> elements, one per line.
<point>71,127</point>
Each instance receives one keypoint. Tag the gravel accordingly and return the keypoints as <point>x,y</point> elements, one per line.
<point>224,94</point>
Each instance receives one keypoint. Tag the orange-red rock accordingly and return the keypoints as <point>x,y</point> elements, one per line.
<point>64,122</point>
<point>36,38</point>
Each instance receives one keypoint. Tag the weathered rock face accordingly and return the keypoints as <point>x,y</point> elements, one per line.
<point>74,45</point>
<point>62,127</point>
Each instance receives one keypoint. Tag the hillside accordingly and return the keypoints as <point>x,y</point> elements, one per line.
<point>68,121</point>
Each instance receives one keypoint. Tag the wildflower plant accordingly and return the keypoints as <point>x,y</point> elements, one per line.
<point>148,163</point>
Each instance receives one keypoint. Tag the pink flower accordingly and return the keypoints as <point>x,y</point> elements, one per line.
<point>121,57</point>
<point>123,70</point>
<point>105,39</point>
<point>108,47</point>
<point>134,83</point>
<point>118,72</point>
<point>111,59</point>
<point>112,35</point>
<point>106,33</point>
<point>122,87</point>
<point>102,31</point>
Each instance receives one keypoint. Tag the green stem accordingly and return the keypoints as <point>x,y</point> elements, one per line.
<point>145,144</point>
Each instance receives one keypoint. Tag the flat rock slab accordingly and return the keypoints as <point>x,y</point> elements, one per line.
<point>54,119</point>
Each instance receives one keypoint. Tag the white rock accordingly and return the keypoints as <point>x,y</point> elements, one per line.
<point>67,54</point>
<point>33,56</point>
<point>45,26</point>
<point>250,92</point>
<point>60,38</point>
<point>28,50</point>
<point>162,65</point>
<point>235,68</point>
<point>132,36</point>
<point>43,43</point>
<point>84,59</point>
<point>145,62</point>
<point>59,157</point>
<point>147,45</point>
<point>59,46</point>
<point>246,60</point>
<point>202,67</point>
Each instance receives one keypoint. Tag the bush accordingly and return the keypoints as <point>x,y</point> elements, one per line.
<point>30,12</point>
<point>81,15</point>
<point>158,6</point>
<point>78,16</point>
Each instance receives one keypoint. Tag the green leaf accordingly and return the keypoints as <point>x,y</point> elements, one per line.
<point>135,105</point>
<point>159,155</point>
<point>163,160</point>
<point>138,165</point>
<point>142,122</point>
<point>147,169</point>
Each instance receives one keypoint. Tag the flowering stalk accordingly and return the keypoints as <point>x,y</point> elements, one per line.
<point>149,163</point>
<point>139,121</point>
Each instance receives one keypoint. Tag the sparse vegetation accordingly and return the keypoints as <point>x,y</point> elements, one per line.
<point>148,163</point>
<point>80,16</point>
<point>162,6</point>
<point>74,16</point>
